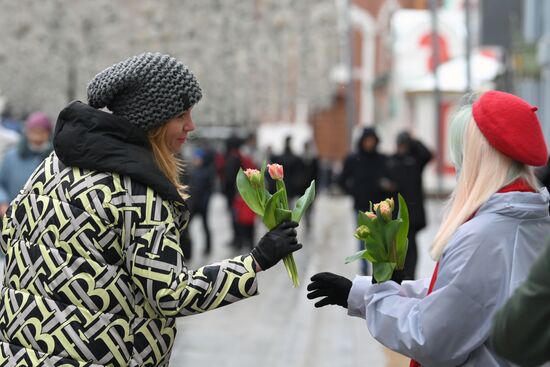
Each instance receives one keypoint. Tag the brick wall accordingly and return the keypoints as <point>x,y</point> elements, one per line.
<point>330,131</point>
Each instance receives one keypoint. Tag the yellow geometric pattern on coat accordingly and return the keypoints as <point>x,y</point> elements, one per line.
<point>95,273</point>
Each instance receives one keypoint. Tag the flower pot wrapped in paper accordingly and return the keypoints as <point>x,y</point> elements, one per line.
<point>273,208</point>
<point>385,239</point>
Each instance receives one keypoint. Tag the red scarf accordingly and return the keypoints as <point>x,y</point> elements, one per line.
<point>518,185</point>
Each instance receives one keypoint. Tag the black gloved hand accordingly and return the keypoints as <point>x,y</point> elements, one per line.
<point>333,287</point>
<point>276,244</point>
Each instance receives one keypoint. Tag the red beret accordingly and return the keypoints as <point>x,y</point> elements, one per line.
<point>511,126</point>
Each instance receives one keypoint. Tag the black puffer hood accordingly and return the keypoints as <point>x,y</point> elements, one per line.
<point>368,131</point>
<point>92,139</point>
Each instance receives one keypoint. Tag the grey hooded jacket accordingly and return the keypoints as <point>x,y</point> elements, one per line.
<point>485,260</point>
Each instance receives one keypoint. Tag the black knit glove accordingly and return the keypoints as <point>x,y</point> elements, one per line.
<point>333,287</point>
<point>276,244</point>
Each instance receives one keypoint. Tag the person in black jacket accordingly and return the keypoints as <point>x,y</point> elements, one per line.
<point>365,175</point>
<point>201,184</point>
<point>294,169</point>
<point>405,168</point>
<point>232,163</point>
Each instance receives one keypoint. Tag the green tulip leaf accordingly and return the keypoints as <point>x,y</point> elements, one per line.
<point>377,250</point>
<point>390,233</point>
<point>356,256</point>
<point>264,193</point>
<point>402,242</point>
<point>383,271</point>
<point>362,218</point>
<point>364,254</point>
<point>280,185</point>
<point>303,203</point>
<point>272,204</point>
<point>282,214</point>
<point>250,195</point>
<point>376,240</point>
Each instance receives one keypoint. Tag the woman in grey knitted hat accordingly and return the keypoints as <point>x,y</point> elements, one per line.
<point>95,273</point>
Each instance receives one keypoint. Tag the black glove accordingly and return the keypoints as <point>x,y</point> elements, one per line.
<point>276,244</point>
<point>334,288</point>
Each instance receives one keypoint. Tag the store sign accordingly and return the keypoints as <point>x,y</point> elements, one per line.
<point>413,41</point>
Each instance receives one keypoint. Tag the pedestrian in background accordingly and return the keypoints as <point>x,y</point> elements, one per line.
<point>95,272</point>
<point>202,174</point>
<point>231,163</point>
<point>492,233</point>
<point>20,161</point>
<point>10,121</point>
<point>405,169</point>
<point>294,169</point>
<point>10,129</point>
<point>543,174</point>
<point>310,173</point>
<point>521,328</point>
<point>242,218</point>
<point>365,176</point>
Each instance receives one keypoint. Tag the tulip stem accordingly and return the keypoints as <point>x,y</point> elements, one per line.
<point>292,270</point>
<point>280,184</point>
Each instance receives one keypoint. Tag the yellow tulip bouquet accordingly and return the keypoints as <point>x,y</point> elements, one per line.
<point>385,239</point>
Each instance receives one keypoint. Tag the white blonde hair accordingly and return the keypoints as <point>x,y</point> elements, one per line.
<point>482,171</point>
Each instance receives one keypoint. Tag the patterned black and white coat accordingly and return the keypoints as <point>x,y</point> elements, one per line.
<point>94,272</point>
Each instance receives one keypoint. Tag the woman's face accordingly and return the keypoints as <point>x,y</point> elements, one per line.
<point>177,130</point>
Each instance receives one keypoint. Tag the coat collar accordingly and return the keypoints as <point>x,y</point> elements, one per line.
<point>525,205</point>
<point>92,139</point>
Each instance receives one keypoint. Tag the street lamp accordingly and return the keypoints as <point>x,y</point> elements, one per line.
<point>437,94</point>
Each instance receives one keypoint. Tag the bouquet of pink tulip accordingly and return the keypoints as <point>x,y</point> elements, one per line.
<point>273,208</point>
<point>385,238</point>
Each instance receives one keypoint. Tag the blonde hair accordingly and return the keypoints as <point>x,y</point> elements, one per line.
<point>482,172</point>
<point>168,162</point>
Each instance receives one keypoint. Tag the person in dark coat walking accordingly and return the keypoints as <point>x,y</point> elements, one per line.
<point>294,169</point>
<point>201,184</point>
<point>310,173</point>
<point>231,165</point>
<point>365,175</point>
<point>405,169</point>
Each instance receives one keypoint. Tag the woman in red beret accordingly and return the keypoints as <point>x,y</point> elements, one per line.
<point>494,229</point>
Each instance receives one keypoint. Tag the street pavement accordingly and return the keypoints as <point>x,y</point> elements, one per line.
<point>280,326</point>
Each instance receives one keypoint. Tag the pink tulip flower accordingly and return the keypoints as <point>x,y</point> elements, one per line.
<point>371,215</point>
<point>385,210</point>
<point>275,171</point>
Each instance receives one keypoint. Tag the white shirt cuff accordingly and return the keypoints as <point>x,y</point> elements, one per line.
<point>356,298</point>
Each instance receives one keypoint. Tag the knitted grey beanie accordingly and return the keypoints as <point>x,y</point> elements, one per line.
<point>147,89</point>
